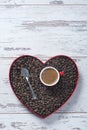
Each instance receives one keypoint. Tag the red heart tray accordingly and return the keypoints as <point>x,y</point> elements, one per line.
<point>49,99</point>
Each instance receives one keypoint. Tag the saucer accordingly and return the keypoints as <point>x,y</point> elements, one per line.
<point>49,99</point>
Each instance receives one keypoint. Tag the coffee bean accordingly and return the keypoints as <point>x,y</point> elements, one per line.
<point>48,99</point>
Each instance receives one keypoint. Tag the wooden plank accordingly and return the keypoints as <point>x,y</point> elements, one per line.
<point>42,2</point>
<point>6,2</point>
<point>10,104</point>
<point>29,30</point>
<point>51,2</point>
<point>54,122</point>
<point>43,13</point>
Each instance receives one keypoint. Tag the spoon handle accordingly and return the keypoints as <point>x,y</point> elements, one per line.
<point>33,94</point>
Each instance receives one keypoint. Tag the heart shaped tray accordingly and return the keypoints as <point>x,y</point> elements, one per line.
<point>49,99</point>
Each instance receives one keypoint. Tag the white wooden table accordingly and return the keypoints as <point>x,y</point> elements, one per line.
<point>43,28</point>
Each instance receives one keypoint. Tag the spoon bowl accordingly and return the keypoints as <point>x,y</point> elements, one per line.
<point>25,74</point>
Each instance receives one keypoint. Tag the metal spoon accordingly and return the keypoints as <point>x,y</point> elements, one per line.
<point>25,74</point>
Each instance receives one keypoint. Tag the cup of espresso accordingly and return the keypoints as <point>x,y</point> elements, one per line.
<point>50,76</point>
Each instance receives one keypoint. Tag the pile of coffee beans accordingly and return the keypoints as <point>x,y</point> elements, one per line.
<point>48,99</point>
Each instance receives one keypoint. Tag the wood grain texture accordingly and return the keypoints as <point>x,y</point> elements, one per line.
<point>43,2</point>
<point>10,104</point>
<point>6,2</point>
<point>51,2</point>
<point>56,122</point>
<point>43,28</point>
<point>29,30</point>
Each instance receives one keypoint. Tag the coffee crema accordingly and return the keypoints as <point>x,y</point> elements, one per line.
<point>49,76</point>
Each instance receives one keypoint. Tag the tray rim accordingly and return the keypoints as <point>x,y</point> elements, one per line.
<point>38,115</point>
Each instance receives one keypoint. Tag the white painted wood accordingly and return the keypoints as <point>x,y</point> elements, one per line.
<point>55,122</point>
<point>44,31</point>
<point>43,2</point>
<point>44,13</point>
<point>6,2</point>
<point>51,2</point>
<point>29,30</point>
<point>10,104</point>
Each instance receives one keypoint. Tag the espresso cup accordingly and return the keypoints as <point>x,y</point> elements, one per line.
<point>50,76</point>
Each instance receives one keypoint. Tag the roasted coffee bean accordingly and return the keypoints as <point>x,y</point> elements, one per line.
<point>48,99</point>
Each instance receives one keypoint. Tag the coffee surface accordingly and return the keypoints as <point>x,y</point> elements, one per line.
<point>49,76</point>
